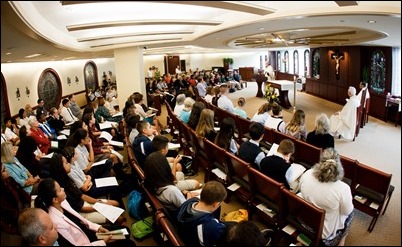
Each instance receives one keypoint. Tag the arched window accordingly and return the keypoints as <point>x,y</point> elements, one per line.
<point>316,63</point>
<point>49,88</point>
<point>378,71</point>
<point>296,62</point>
<point>5,108</point>
<point>286,61</point>
<point>91,77</point>
<point>307,63</point>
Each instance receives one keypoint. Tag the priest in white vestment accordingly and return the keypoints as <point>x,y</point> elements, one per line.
<point>344,122</point>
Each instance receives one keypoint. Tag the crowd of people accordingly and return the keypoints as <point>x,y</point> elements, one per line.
<point>64,182</point>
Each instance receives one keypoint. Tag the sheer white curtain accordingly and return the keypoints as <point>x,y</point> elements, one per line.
<point>396,71</point>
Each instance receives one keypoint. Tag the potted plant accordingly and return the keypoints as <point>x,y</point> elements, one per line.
<point>227,60</point>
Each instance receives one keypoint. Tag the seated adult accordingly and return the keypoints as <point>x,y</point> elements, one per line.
<point>66,112</point>
<point>276,120</point>
<point>322,185</point>
<point>43,141</point>
<point>185,113</point>
<point>250,150</point>
<point>197,224</point>
<point>37,228</point>
<point>195,114</point>
<point>75,109</point>
<point>179,104</point>
<point>55,121</point>
<point>71,226</point>
<point>343,123</point>
<point>320,136</point>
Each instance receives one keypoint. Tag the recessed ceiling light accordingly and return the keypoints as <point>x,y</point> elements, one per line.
<point>33,55</point>
<point>261,28</point>
<point>371,21</point>
<point>8,53</point>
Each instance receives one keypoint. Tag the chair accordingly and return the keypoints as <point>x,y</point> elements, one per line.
<point>373,192</point>
<point>238,173</point>
<point>366,111</point>
<point>302,221</point>
<point>359,113</point>
<point>266,197</point>
<point>157,104</point>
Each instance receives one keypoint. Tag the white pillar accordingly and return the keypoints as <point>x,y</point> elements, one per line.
<point>130,76</point>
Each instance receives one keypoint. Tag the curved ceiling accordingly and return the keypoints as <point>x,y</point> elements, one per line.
<point>59,30</point>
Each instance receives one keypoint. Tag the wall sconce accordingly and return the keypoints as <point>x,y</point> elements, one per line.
<point>27,91</point>
<point>69,81</point>
<point>76,79</point>
<point>17,93</point>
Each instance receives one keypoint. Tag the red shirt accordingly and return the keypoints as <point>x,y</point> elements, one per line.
<point>41,139</point>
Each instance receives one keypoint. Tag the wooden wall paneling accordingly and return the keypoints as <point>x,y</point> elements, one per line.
<point>323,90</point>
<point>332,92</point>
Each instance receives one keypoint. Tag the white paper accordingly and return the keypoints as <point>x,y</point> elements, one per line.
<point>173,145</point>
<point>116,234</point>
<point>219,173</point>
<point>70,123</point>
<point>61,137</point>
<point>273,150</point>
<point>234,187</point>
<point>118,114</point>
<point>106,125</point>
<point>289,229</point>
<point>217,128</point>
<point>106,135</point>
<point>103,182</point>
<point>48,155</point>
<point>266,210</point>
<point>116,143</point>
<point>110,212</point>
<point>54,144</point>
<point>151,115</point>
<point>118,155</point>
<point>65,132</point>
<point>101,162</point>
<point>153,109</point>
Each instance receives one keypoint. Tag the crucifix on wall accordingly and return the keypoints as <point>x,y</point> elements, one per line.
<point>337,56</point>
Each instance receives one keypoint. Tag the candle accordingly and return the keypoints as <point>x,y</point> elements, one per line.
<point>294,78</point>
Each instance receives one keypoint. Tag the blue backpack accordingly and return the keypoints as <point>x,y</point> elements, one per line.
<point>136,205</point>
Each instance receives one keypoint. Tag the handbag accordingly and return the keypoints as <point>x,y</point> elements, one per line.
<point>142,228</point>
<point>237,215</point>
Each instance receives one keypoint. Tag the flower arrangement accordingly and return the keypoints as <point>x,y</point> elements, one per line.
<point>271,94</point>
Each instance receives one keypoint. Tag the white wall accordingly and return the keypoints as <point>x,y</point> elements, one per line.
<point>22,75</point>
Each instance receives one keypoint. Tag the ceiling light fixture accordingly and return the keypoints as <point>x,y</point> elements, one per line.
<point>33,55</point>
<point>371,21</point>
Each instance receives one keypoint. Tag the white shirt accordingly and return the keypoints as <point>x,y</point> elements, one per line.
<point>178,109</point>
<point>334,197</point>
<point>225,103</point>
<point>9,134</point>
<point>68,115</point>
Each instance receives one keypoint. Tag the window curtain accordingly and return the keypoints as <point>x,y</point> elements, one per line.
<point>396,71</point>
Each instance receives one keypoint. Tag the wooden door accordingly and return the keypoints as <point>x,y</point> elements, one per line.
<point>170,64</point>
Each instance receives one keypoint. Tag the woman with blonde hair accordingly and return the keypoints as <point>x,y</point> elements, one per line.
<point>322,185</point>
<point>296,127</point>
<point>205,126</point>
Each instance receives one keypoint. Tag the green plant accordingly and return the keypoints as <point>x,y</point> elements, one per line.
<point>228,60</point>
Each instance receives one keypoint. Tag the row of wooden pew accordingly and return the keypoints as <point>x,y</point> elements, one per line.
<point>163,224</point>
<point>371,188</point>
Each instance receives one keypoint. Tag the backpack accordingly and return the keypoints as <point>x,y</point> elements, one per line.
<point>136,205</point>
<point>142,228</point>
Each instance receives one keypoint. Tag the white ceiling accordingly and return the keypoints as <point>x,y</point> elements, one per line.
<point>62,30</point>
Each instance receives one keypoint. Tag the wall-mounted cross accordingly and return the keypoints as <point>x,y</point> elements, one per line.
<point>337,55</point>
